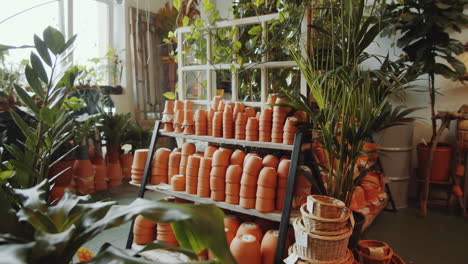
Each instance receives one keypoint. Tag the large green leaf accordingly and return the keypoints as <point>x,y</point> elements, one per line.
<point>42,50</point>
<point>34,82</point>
<point>38,68</point>
<point>27,100</point>
<point>54,40</point>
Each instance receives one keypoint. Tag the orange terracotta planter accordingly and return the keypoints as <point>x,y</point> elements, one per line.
<point>64,168</point>
<point>233,189</point>
<point>234,174</point>
<point>219,172</point>
<point>441,163</point>
<point>178,182</point>
<point>250,228</point>
<point>283,168</point>
<point>206,163</point>
<point>266,192</point>
<point>217,184</point>
<point>218,196</point>
<point>139,159</point>
<point>209,151</point>
<point>188,149</point>
<point>271,161</point>
<point>248,180</point>
<point>253,165</point>
<point>268,246</point>
<point>264,205</point>
<point>237,157</point>
<point>247,203</point>
<point>126,161</point>
<point>267,177</point>
<point>231,222</point>
<point>248,191</point>
<point>221,158</point>
<point>246,249</point>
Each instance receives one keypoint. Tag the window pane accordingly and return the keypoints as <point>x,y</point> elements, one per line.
<point>195,85</point>
<point>252,48</point>
<point>280,35</point>
<point>20,29</point>
<point>223,84</point>
<point>194,48</point>
<point>222,46</point>
<point>249,85</point>
<point>90,22</point>
<point>283,78</point>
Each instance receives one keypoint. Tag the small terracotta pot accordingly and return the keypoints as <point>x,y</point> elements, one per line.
<point>247,157</point>
<point>168,107</point>
<point>188,105</point>
<point>100,185</point>
<point>221,106</point>
<point>248,191</point>
<point>188,149</point>
<point>231,222</point>
<point>139,159</point>
<point>203,192</point>
<point>192,172</point>
<point>240,136</point>
<point>162,156</point>
<point>280,195</point>
<point>206,162</point>
<point>246,249</point>
<point>247,203</point>
<point>271,161</point>
<point>267,177</point>
<point>204,172</point>
<point>114,172</point>
<point>211,112</point>
<point>266,193</point>
<point>272,99</point>
<point>232,199</point>
<point>178,182</point>
<point>178,105</point>
<point>209,151</point>
<point>252,124</point>
<point>179,117</point>
<point>249,112</point>
<point>126,161</point>
<point>216,100</point>
<point>190,189</point>
<point>221,158</point>
<point>441,163</point>
<point>217,184</point>
<point>264,205</point>
<point>159,171</point>
<point>253,165</point>
<point>174,159</point>
<point>218,196</point>
<point>283,168</point>
<point>100,172</point>
<point>219,172</point>
<point>158,179</point>
<point>234,174</point>
<point>233,189</point>
<point>268,246</point>
<point>250,228</point>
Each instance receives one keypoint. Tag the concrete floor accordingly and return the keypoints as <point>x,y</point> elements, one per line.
<point>440,238</point>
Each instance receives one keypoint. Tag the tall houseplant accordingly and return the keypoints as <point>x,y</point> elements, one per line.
<point>424,26</point>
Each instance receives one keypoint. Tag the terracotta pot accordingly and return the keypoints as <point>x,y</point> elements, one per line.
<point>237,157</point>
<point>217,184</point>
<point>139,159</point>
<point>283,168</point>
<point>268,246</point>
<point>161,157</point>
<point>179,117</point>
<point>250,228</point>
<point>178,105</point>
<point>209,151</point>
<point>158,179</point>
<point>188,149</point>
<point>82,169</point>
<point>218,124</point>
<point>248,191</point>
<point>280,195</point>
<point>218,196</point>
<point>264,205</point>
<point>221,106</point>
<point>247,203</point>
<point>219,172</point>
<point>266,192</point>
<point>267,177</point>
<point>247,157</point>
<point>272,98</point>
<point>231,222</point>
<point>373,251</point>
<point>249,112</point>
<point>253,165</point>
<point>178,182</point>
<point>126,161</point>
<point>65,169</point>
<point>100,172</point>
<point>252,124</point>
<point>211,112</point>
<point>221,158</point>
<point>246,249</point>
<point>271,161</point>
<point>371,192</point>
<point>100,185</point>
<point>192,172</point>
<point>204,172</point>
<point>159,171</point>
<point>203,192</point>
<point>371,149</point>
<point>233,189</point>
<point>441,164</point>
<point>216,100</point>
<point>188,105</point>
<point>234,174</point>
<point>169,107</point>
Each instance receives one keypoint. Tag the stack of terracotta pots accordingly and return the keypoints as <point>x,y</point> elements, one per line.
<point>187,150</point>
<point>209,151</point>
<point>279,116</point>
<point>323,231</point>
<point>266,190</point>
<point>83,172</point>
<point>241,122</point>
<point>160,166</point>
<point>238,108</point>
<point>100,174</point>
<point>174,163</point>
<point>203,186</point>
<point>302,187</point>
<point>126,161</point>
<point>178,121</point>
<point>143,230</point>
<point>201,122</point>
<point>114,174</point>
<point>228,122</point>
<point>189,123</point>
<point>233,178</point>
<point>251,133</point>
<point>178,182</point>
<point>211,113</point>
<point>265,124</point>
<point>290,130</point>
<point>248,190</point>
<point>220,164</point>
<point>374,252</point>
<point>249,112</point>
<point>193,165</point>
<point>168,116</point>
<point>138,165</point>
<point>218,124</point>
<point>283,171</point>
<point>165,234</point>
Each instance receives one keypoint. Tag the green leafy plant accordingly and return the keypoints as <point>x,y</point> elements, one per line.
<point>345,101</point>
<point>137,136</point>
<point>46,106</point>
<point>424,26</point>
<point>40,233</point>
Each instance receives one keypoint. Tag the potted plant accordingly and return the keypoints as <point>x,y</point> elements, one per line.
<point>424,26</point>
<point>138,138</point>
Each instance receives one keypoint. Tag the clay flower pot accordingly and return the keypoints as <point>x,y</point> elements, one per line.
<point>246,249</point>
<point>249,112</point>
<point>218,196</point>
<point>178,182</point>
<point>441,163</point>
<point>216,101</point>
<point>168,107</point>
<point>217,184</point>
<point>234,174</point>
<point>247,203</point>
<point>252,124</point>
<point>126,161</point>
<point>267,193</point>
<point>178,105</point>
<point>237,157</point>
<point>247,191</point>
<point>272,98</point>
<point>283,168</point>
<point>264,205</point>
<point>268,246</point>
<point>233,189</point>
<point>228,122</point>
<point>250,228</point>
<point>221,158</point>
<point>217,124</point>
<point>188,149</point>
<point>188,105</point>
<point>139,159</point>
<point>267,177</point>
<point>253,165</point>
<point>271,161</point>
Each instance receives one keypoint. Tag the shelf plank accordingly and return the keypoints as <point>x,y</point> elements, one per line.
<point>245,143</point>
<point>274,216</point>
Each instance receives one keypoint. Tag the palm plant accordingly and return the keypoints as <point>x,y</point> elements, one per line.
<point>113,128</point>
<point>345,101</point>
<point>137,136</point>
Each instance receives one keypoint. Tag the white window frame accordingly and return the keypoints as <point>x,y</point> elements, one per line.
<point>210,69</point>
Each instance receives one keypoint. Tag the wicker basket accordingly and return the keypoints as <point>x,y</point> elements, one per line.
<point>365,254</point>
<point>332,247</point>
<point>347,259</point>
<point>326,206</point>
<point>317,224</point>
